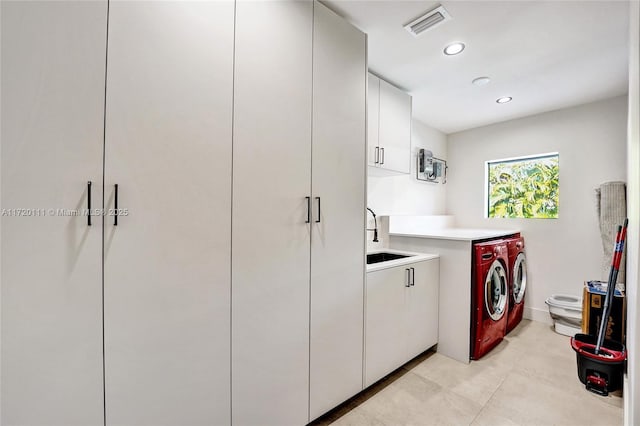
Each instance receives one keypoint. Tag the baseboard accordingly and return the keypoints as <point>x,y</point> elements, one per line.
<point>539,315</point>
<point>626,401</point>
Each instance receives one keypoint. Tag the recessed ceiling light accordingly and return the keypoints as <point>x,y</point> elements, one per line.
<point>504,100</point>
<point>454,49</point>
<point>481,81</point>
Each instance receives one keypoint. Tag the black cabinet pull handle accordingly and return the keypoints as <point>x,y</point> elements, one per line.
<point>413,277</point>
<point>377,159</point>
<point>382,155</point>
<point>318,218</point>
<point>308,209</point>
<point>89,203</point>
<point>115,205</point>
<point>408,284</point>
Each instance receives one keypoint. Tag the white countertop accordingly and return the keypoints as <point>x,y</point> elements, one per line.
<point>460,234</point>
<point>440,227</point>
<point>413,257</point>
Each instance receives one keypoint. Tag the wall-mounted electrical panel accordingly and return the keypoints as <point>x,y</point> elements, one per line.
<point>430,168</point>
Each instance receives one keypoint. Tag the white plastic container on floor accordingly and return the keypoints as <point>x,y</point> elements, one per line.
<point>566,312</point>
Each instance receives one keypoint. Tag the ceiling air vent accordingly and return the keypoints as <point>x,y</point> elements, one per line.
<point>427,21</point>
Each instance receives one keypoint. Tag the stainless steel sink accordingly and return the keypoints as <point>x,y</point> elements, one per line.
<point>383,257</point>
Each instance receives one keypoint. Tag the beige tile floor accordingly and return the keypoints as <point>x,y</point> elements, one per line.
<point>529,379</point>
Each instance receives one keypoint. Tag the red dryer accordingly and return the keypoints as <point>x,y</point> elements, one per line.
<point>490,299</point>
<point>517,280</point>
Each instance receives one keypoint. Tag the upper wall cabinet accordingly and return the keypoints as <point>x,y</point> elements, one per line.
<point>389,129</point>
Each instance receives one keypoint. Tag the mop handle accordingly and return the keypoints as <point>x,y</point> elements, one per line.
<point>613,276</point>
<point>617,256</point>
<point>615,267</point>
<point>615,264</point>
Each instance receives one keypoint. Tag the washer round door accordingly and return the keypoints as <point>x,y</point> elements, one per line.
<point>519,277</point>
<point>495,291</point>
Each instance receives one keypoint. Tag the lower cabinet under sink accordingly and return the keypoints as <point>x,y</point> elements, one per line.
<point>401,319</point>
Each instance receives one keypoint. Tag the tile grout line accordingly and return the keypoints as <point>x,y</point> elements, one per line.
<point>443,388</point>
<point>491,397</point>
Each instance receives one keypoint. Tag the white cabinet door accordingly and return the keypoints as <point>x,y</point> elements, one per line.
<point>422,307</point>
<point>401,319</point>
<point>271,241</point>
<point>395,129</point>
<point>373,115</point>
<point>166,271</point>
<point>338,249</point>
<point>53,65</point>
<point>385,336</point>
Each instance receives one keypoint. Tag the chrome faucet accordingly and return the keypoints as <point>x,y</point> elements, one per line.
<point>375,229</point>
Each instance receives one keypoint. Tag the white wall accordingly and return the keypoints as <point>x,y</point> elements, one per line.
<point>404,194</point>
<point>632,390</point>
<point>591,141</point>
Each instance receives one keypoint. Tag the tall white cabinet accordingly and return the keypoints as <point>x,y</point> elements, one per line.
<point>225,142</point>
<point>298,212</point>
<point>166,262</point>
<point>271,234</point>
<point>53,67</point>
<point>337,238</point>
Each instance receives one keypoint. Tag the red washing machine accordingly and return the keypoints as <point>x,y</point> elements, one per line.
<point>490,298</point>
<point>517,280</point>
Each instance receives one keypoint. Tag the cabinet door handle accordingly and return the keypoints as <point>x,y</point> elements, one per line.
<point>377,155</point>
<point>408,284</point>
<point>413,276</point>
<point>89,203</point>
<point>308,209</point>
<point>115,205</point>
<point>318,218</point>
<point>382,155</point>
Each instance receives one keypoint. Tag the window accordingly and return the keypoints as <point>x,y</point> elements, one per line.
<point>525,187</point>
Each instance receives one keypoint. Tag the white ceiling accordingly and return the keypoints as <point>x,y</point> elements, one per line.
<point>545,54</point>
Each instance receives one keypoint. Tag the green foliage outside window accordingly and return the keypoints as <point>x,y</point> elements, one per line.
<point>524,188</point>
